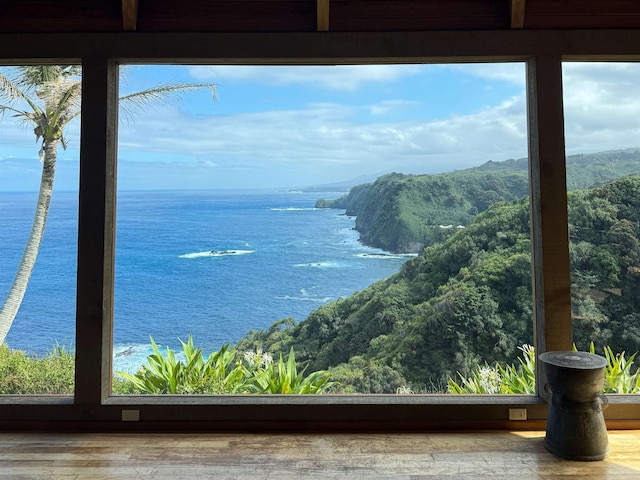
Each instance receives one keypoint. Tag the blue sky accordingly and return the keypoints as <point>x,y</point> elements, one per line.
<point>294,126</point>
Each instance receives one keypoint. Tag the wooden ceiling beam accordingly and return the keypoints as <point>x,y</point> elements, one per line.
<point>323,15</point>
<point>129,15</point>
<point>517,13</point>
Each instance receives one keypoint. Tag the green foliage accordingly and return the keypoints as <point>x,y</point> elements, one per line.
<point>508,379</point>
<point>605,261</point>
<point>463,301</point>
<point>466,300</point>
<point>165,374</point>
<point>360,375</point>
<point>50,374</point>
<point>284,378</point>
<point>222,372</point>
<point>403,213</point>
<point>587,170</point>
<point>351,202</point>
<point>620,375</point>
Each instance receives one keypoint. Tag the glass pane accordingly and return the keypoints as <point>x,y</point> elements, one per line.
<point>603,163</point>
<point>292,215</point>
<point>37,354</point>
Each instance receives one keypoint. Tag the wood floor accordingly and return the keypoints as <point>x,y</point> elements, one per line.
<point>492,455</point>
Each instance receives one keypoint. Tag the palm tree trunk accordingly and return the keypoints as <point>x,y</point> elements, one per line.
<point>21,280</point>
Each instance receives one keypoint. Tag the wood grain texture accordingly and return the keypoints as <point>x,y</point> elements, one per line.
<point>96,221</point>
<point>417,15</point>
<point>129,15</point>
<point>227,16</point>
<point>323,15</point>
<point>549,222</point>
<point>301,15</point>
<point>517,9</point>
<point>496,455</point>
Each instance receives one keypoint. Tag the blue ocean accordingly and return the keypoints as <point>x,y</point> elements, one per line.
<point>213,264</point>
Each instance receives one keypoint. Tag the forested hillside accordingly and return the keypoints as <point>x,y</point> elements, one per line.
<point>404,213</point>
<point>467,299</point>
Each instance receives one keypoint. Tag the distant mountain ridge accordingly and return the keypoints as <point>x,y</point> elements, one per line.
<point>404,213</point>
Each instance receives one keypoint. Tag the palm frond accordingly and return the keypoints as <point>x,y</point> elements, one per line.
<point>56,91</point>
<point>17,113</point>
<point>11,93</point>
<point>32,77</point>
<point>68,105</point>
<point>137,102</point>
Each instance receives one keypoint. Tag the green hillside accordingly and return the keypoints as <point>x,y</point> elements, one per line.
<point>404,213</point>
<point>467,299</point>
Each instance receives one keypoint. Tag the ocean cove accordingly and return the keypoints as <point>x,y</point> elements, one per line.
<point>213,264</point>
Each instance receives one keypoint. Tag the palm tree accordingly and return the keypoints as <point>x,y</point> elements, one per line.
<point>47,97</point>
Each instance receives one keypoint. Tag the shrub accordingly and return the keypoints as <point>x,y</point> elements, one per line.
<point>283,378</point>
<point>21,373</point>
<point>222,372</point>
<point>620,376</point>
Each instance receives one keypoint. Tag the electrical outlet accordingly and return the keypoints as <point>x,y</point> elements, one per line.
<point>517,414</point>
<point>130,415</point>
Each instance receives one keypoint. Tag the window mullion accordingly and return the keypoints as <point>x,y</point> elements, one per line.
<point>94,313</point>
<point>548,197</point>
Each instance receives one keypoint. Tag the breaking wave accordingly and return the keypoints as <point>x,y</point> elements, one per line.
<point>216,253</point>
<point>386,255</point>
<point>318,265</point>
<point>293,209</point>
<point>305,298</point>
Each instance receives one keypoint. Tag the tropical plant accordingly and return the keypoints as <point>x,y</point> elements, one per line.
<point>166,374</point>
<point>521,378</point>
<point>284,378</point>
<point>47,98</point>
<point>620,375</point>
<point>222,372</point>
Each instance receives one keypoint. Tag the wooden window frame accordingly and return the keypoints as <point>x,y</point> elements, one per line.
<point>94,408</point>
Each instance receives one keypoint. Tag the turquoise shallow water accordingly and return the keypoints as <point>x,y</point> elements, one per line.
<point>212,264</point>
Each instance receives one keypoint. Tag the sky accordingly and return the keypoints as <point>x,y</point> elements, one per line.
<point>297,126</point>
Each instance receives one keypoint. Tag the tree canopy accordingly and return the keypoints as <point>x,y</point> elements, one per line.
<point>467,299</point>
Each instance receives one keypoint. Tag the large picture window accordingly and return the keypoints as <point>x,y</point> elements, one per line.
<point>369,221</point>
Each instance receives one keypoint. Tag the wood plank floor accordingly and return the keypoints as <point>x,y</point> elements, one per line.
<point>492,455</point>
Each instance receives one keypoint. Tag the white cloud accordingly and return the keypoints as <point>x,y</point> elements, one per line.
<point>388,106</point>
<point>602,106</point>
<point>513,72</point>
<point>337,77</point>
<point>324,142</point>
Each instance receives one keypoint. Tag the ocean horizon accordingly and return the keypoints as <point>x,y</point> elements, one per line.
<point>211,264</point>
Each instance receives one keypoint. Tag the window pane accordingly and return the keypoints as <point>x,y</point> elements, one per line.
<point>293,214</point>
<point>603,164</point>
<point>37,355</point>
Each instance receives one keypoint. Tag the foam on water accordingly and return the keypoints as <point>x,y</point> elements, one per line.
<point>130,357</point>
<point>305,298</point>
<point>216,253</point>
<point>304,259</point>
<point>386,255</point>
<point>318,265</point>
<point>292,209</point>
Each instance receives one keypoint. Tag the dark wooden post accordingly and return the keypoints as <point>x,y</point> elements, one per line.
<point>549,222</point>
<point>94,310</point>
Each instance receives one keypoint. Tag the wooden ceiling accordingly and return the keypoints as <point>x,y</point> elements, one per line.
<point>56,16</point>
